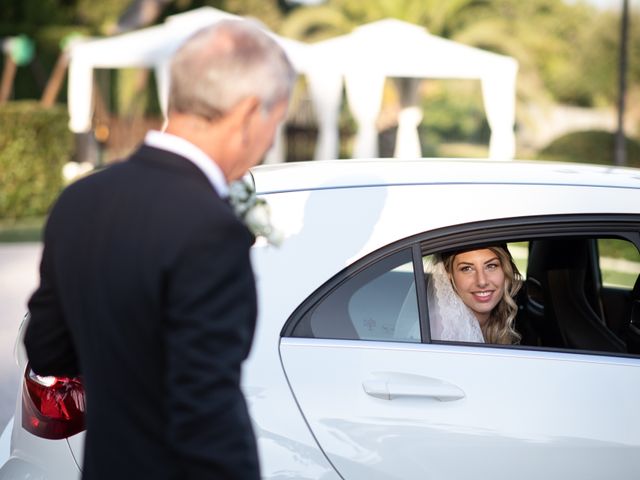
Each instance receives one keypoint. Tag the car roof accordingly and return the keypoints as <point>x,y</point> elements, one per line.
<point>327,174</point>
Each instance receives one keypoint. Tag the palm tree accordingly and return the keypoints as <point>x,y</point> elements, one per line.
<point>338,17</point>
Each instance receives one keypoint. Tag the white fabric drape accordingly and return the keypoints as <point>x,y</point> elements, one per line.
<point>364,95</point>
<point>407,137</point>
<point>325,90</point>
<point>409,118</point>
<point>79,99</point>
<point>498,91</point>
<point>161,71</point>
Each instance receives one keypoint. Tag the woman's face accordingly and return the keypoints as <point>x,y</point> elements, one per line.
<point>479,280</point>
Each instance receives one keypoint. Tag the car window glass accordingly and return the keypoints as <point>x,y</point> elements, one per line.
<point>619,262</point>
<point>378,303</point>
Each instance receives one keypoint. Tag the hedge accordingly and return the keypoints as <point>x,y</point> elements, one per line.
<point>34,145</point>
<point>593,146</point>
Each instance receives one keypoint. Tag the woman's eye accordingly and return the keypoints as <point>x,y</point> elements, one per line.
<point>465,269</point>
<point>492,266</point>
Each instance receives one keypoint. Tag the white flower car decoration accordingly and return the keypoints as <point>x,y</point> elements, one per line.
<point>253,211</point>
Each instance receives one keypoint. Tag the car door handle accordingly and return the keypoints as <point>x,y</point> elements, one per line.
<point>388,388</point>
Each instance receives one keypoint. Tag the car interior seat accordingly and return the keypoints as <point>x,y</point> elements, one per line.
<point>562,291</point>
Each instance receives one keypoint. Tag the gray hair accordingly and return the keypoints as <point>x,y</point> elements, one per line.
<point>224,63</point>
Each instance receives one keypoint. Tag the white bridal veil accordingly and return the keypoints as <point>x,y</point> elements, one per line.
<point>449,317</point>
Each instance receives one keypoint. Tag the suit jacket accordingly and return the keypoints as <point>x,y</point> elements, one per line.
<point>147,292</point>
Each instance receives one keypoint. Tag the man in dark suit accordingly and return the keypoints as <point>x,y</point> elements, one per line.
<point>146,285</point>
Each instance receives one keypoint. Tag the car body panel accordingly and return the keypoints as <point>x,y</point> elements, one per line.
<point>518,410</point>
<point>306,397</point>
<point>16,468</point>
<point>334,174</point>
<point>5,442</point>
<point>32,456</point>
<point>349,232</point>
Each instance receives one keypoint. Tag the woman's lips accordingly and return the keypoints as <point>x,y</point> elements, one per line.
<point>484,296</point>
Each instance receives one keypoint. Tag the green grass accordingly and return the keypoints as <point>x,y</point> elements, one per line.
<point>617,248</point>
<point>23,230</point>
<point>618,279</point>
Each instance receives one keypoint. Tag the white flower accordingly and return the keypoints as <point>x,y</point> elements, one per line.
<point>276,237</point>
<point>253,211</point>
<point>258,216</point>
<point>240,192</point>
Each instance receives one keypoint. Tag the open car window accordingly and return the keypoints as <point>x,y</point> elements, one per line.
<point>565,303</point>
<point>580,291</point>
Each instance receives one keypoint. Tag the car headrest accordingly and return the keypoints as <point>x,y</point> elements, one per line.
<point>558,254</point>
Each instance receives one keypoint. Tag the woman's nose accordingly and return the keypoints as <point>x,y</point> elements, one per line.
<point>481,278</point>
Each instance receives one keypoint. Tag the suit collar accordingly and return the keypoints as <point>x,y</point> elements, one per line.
<point>184,148</point>
<point>158,158</point>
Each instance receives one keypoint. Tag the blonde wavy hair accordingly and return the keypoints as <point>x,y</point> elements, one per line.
<point>500,327</point>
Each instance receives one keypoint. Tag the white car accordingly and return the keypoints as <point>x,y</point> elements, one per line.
<point>344,381</point>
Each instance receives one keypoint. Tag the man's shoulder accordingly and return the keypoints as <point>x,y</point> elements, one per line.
<point>149,180</point>
<point>146,165</point>
<point>99,178</point>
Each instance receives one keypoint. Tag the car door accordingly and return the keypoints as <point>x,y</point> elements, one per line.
<point>381,403</point>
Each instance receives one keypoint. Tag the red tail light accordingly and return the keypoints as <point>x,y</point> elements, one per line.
<point>52,407</point>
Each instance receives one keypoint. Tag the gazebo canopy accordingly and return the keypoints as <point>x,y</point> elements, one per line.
<point>393,48</point>
<point>150,47</point>
<point>361,60</point>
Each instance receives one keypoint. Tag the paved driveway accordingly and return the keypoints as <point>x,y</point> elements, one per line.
<point>18,278</point>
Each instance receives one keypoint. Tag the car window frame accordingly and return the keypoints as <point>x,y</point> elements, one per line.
<point>478,234</point>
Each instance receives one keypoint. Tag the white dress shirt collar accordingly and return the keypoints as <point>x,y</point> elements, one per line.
<point>180,146</point>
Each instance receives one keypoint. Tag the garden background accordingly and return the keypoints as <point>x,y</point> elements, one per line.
<point>568,84</point>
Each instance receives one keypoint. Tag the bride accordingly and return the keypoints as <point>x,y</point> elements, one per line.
<point>470,295</point>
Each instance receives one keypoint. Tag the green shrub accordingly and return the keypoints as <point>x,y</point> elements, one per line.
<point>453,113</point>
<point>34,145</point>
<point>589,147</point>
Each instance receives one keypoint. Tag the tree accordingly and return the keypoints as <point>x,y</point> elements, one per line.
<point>338,17</point>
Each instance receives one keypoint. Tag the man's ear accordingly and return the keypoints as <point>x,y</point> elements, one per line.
<point>240,116</point>
<point>245,109</point>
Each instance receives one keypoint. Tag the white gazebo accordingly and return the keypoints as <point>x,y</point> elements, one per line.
<point>360,61</point>
<point>152,48</point>
<point>392,48</point>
